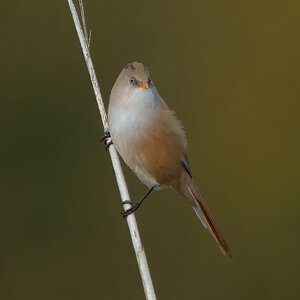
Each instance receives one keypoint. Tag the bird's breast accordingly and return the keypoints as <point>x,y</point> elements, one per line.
<point>128,121</point>
<point>128,129</point>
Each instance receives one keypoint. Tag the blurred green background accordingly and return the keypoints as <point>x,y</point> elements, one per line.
<point>230,70</point>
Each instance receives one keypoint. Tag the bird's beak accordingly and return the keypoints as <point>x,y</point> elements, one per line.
<point>143,84</point>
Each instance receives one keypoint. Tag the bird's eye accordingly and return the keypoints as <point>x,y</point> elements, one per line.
<point>149,80</point>
<point>131,80</point>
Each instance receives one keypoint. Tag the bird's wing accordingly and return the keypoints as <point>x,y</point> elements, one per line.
<point>185,164</point>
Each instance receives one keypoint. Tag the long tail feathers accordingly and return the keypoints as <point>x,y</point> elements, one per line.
<point>207,220</point>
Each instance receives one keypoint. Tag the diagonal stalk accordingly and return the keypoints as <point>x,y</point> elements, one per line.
<point>131,221</point>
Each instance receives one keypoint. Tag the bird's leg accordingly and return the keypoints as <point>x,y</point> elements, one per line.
<point>106,139</point>
<point>135,205</point>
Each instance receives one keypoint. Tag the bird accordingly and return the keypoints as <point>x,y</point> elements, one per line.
<point>152,142</point>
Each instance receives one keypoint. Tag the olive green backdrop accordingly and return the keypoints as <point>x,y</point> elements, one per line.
<point>230,70</point>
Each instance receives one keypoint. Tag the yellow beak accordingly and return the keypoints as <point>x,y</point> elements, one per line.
<point>143,84</point>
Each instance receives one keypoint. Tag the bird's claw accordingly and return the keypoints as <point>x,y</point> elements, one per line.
<point>106,139</point>
<point>127,202</point>
<point>129,211</point>
<point>133,208</point>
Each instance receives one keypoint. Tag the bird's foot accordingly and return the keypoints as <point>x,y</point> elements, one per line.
<point>133,208</point>
<point>135,205</point>
<point>106,139</point>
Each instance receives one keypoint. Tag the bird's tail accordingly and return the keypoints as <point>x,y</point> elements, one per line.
<point>192,194</point>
